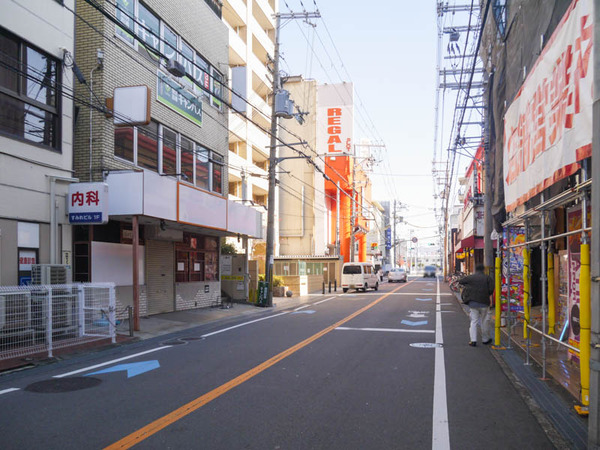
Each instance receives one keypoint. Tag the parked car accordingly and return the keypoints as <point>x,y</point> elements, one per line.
<point>397,275</point>
<point>430,271</point>
<point>359,275</point>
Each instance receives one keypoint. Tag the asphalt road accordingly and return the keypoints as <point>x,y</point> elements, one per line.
<point>341,373</point>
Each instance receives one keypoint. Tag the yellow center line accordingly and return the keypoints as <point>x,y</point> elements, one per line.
<point>154,427</point>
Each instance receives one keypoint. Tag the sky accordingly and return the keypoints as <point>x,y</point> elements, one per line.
<point>389,52</point>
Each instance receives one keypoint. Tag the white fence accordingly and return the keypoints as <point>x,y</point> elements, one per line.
<point>42,318</point>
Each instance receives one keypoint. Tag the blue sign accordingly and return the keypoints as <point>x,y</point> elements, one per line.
<point>388,238</point>
<point>92,217</point>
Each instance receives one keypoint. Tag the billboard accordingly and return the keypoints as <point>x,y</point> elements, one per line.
<point>548,126</point>
<point>335,119</point>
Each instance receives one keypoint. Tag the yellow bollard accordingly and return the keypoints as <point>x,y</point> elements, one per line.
<point>585,320</point>
<point>551,307</point>
<point>498,296</point>
<point>526,290</point>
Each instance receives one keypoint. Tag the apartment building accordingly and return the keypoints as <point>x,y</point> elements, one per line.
<point>36,135</point>
<point>251,29</point>
<point>166,173</point>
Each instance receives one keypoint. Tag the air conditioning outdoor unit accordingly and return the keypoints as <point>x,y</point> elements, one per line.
<point>15,312</point>
<point>50,274</point>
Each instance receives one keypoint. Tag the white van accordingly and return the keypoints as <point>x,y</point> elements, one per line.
<point>359,275</point>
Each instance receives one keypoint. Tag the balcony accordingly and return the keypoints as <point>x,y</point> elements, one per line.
<point>237,48</point>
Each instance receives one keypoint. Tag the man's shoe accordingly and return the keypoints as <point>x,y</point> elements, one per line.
<point>473,344</point>
<point>488,342</point>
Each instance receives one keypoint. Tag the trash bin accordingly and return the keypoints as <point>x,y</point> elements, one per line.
<point>263,293</point>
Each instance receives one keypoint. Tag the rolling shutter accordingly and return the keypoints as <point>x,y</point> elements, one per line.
<point>160,275</point>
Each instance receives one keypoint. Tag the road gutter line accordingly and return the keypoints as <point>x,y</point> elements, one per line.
<point>440,433</point>
<point>323,301</point>
<point>85,369</point>
<point>162,422</point>
<point>6,391</point>
<point>243,324</point>
<point>390,330</point>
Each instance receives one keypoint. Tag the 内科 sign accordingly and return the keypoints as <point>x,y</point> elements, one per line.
<point>88,203</point>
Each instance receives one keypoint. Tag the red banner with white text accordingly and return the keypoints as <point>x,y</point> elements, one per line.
<point>548,126</point>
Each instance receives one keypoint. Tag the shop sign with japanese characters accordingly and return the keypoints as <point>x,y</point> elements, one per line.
<point>548,126</point>
<point>88,203</point>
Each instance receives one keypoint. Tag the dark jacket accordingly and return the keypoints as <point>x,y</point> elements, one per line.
<point>477,288</point>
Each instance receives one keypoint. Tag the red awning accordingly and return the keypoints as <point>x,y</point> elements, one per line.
<point>474,242</point>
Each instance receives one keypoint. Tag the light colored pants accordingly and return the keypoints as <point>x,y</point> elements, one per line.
<point>479,316</point>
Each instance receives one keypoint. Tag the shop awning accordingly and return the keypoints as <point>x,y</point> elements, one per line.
<point>474,242</point>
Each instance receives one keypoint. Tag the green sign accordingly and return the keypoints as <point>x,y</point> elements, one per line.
<point>178,99</point>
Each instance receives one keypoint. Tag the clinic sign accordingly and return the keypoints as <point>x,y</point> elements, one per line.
<point>335,119</point>
<point>178,99</point>
<point>548,127</point>
<point>88,203</point>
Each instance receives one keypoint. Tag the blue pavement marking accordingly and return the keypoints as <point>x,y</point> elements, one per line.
<point>132,369</point>
<point>307,311</point>
<point>424,299</point>
<point>414,324</point>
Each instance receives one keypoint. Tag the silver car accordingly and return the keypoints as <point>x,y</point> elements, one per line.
<point>397,275</point>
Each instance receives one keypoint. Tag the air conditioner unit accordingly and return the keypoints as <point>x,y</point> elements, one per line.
<point>50,274</point>
<point>175,68</point>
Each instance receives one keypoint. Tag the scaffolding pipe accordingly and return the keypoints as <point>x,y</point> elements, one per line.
<point>549,238</point>
<point>543,279</point>
<point>508,285</point>
<point>585,321</point>
<point>558,341</point>
<point>498,305</point>
<point>526,290</point>
<point>551,297</point>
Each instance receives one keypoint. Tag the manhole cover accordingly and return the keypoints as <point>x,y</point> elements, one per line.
<point>56,386</point>
<point>426,345</point>
<point>174,342</point>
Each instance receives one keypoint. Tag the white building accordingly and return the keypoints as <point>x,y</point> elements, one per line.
<point>251,28</point>
<point>36,135</point>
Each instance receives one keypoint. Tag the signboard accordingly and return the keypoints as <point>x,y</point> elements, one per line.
<point>88,203</point>
<point>335,118</point>
<point>548,127</point>
<point>226,263</point>
<point>512,269</point>
<point>388,238</point>
<point>169,93</point>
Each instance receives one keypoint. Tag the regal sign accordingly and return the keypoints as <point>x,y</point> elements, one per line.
<point>548,127</point>
<point>335,118</point>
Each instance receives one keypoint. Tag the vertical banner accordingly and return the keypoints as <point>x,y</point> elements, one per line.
<point>512,259</point>
<point>335,119</point>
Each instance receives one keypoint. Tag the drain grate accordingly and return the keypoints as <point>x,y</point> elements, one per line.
<point>57,386</point>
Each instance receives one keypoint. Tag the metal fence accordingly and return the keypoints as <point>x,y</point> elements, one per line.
<point>42,318</point>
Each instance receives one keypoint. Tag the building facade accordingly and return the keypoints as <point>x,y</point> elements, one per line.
<point>36,135</point>
<point>167,172</point>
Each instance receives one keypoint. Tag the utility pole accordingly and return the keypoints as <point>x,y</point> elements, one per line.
<point>353,206</point>
<point>594,418</point>
<point>269,254</point>
<point>395,252</point>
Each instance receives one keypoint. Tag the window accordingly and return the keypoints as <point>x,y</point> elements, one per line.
<point>202,167</point>
<point>217,177</point>
<point>187,159</point>
<point>146,146</point>
<point>146,32</point>
<point>197,259</point>
<point>147,155</point>
<point>28,92</point>
<point>124,143</point>
<point>169,152</point>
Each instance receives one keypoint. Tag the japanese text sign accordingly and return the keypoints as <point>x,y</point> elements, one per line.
<point>548,127</point>
<point>88,203</point>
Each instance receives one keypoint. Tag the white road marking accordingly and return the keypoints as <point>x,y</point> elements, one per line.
<point>389,330</point>
<point>440,434</point>
<point>301,307</point>
<point>6,391</point>
<point>394,293</point>
<point>323,301</point>
<point>243,324</point>
<point>85,369</point>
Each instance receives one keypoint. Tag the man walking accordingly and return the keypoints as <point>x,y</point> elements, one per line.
<point>477,294</point>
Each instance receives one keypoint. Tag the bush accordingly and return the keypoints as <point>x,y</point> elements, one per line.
<point>227,249</point>
<point>277,280</point>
